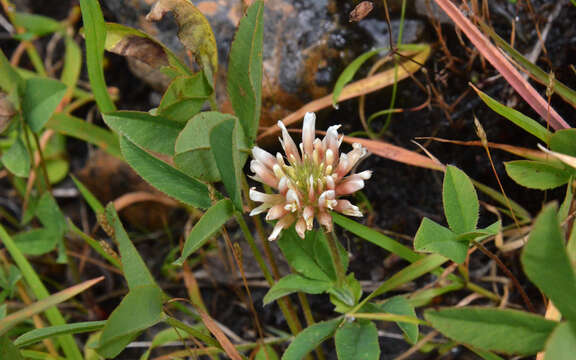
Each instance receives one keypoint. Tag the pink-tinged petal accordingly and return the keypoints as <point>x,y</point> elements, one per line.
<point>311,193</point>
<point>325,220</point>
<point>345,207</point>
<point>276,212</point>
<point>329,158</point>
<point>264,174</point>
<point>301,228</point>
<point>309,133</point>
<point>283,223</point>
<point>260,209</point>
<point>358,153</point>
<point>265,198</point>
<point>292,201</point>
<point>365,175</point>
<point>326,200</point>
<point>331,140</point>
<point>330,184</point>
<point>308,215</point>
<point>343,167</point>
<point>350,185</point>
<point>263,156</point>
<point>283,185</point>
<point>289,145</point>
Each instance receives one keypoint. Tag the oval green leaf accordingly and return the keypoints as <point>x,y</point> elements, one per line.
<point>460,201</point>
<point>540,175</point>
<point>508,331</point>
<point>164,177</point>
<point>309,338</point>
<point>357,341</point>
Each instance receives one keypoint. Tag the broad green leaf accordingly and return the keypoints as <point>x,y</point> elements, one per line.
<point>95,33</point>
<point>376,238</point>
<point>547,265</point>
<point>80,129</point>
<point>50,215</point>
<point>36,241</point>
<point>400,306</point>
<point>10,81</point>
<point>72,66</point>
<point>164,177</point>
<point>300,255</point>
<point>184,97</point>
<point>348,73</point>
<point>528,124</point>
<point>214,218</point>
<point>561,344</point>
<point>309,338</point>
<point>69,346</point>
<point>17,159</point>
<point>41,98</point>
<point>480,233</point>
<point>194,32</point>
<point>433,237</point>
<point>266,352</point>
<point>317,244</point>
<point>541,175</point>
<point>8,351</point>
<point>224,144</point>
<point>245,69</point>
<point>509,331</point>
<point>564,141</point>
<point>42,305</point>
<point>485,355</point>
<point>153,133</point>
<point>193,150</point>
<point>37,335</point>
<point>126,41</point>
<point>357,340</point>
<point>139,310</point>
<point>345,296</point>
<point>134,269</point>
<point>293,283</point>
<point>37,24</point>
<point>460,201</point>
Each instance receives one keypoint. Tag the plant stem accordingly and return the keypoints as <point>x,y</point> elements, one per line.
<point>285,305</point>
<point>340,272</point>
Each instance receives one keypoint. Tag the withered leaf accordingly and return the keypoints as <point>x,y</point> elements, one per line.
<point>142,49</point>
<point>361,11</point>
<point>194,31</point>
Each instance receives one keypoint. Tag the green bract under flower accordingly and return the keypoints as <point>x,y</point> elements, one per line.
<point>309,182</point>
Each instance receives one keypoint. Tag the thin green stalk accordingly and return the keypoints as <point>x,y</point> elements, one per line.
<point>340,272</point>
<point>67,342</point>
<point>35,58</point>
<point>398,43</point>
<point>287,310</point>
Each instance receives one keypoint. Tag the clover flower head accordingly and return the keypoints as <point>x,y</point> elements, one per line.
<point>309,182</point>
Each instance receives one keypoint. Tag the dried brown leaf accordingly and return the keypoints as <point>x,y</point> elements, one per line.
<point>194,30</point>
<point>361,11</point>
<point>141,49</point>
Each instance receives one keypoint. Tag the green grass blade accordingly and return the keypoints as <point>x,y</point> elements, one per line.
<point>69,346</point>
<point>38,335</point>
<point>95,33</point>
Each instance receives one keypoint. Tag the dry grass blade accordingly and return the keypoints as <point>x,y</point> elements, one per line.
<point>504,67</point>
<point>227,345</point>
<point>13,319</point>
<point>395,153</point>
<point>516,150</point>
<point>358,88</point>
